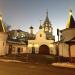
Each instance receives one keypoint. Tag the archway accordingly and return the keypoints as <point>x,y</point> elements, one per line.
<point>44,49</point>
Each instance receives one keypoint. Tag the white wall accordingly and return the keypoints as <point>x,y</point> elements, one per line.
<point>40,41</point>
<point>15,48</point>
<point>3,38</point>
<point>63,50</point>
<point>72,50</point>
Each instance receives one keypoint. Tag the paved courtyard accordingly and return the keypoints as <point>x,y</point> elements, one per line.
<point>8,68</point>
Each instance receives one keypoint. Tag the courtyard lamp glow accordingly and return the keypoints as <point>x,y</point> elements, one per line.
<point>51,45</point>
<point>1,17</point>
<point>70,12</point>
<point>36,45</point>
<point>30,45</point>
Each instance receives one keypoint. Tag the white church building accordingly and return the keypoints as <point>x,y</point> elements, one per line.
<point>43,43</point>
<point>44,39</point>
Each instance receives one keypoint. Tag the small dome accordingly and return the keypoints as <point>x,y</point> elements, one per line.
<point>40,27</point>
<point>31,27</point>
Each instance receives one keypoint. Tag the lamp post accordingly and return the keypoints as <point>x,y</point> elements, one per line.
<point>58,45</point>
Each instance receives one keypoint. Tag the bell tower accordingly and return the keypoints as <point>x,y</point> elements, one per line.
<point>47,24</point>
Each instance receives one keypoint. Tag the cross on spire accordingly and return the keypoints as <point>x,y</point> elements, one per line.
<point>71,21</point>
<point>40,25</point>
<point>70,12</point>
<point>47,13</point>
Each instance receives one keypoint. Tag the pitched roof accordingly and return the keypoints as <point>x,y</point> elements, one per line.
<point>71,21</point>
<point>71,40</point>
<point>47,19</point>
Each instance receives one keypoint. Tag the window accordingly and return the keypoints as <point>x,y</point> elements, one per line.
<point>40,35</point>
<point>19,50</point>
<point>33,50</point>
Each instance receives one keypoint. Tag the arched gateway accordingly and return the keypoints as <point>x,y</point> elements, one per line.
<point>44,49</point>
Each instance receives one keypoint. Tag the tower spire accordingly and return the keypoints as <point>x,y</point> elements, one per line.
<point>70,12</point>
<point>71,21</point>
<point>46,19</point>
<point>47,24</point>
<point>40,25</point>
<point>47,13</point>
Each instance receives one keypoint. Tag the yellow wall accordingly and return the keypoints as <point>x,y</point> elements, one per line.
<point>63,50</point>
<point>40,41</point>
<point>3,38</point>
<point>15,48</point>
<point>72,49</point>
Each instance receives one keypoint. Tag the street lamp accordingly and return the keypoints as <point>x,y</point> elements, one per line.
<point>58,44</point>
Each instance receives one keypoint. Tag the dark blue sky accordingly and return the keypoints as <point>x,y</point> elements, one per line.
<point>21,14</point>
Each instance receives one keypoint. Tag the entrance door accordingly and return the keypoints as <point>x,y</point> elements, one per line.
<point>18,50</point>
<point>33,50</point>
<point>10,49</point>
<point>44,49</point>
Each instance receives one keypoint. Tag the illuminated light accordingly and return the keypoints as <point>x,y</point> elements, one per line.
<point>1,17</point>
<point>22,36</point>
<point>51,45</point>
<point>3,27</point>
<point>67,26</point>
<point>30,45</point>
<point>70,12</point>
<point>2,23</point>
<point>36,45</point>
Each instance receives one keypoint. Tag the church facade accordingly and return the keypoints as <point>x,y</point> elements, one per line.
<point>44,39</point>
<point>40,43</point>
<point>43,42</point>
